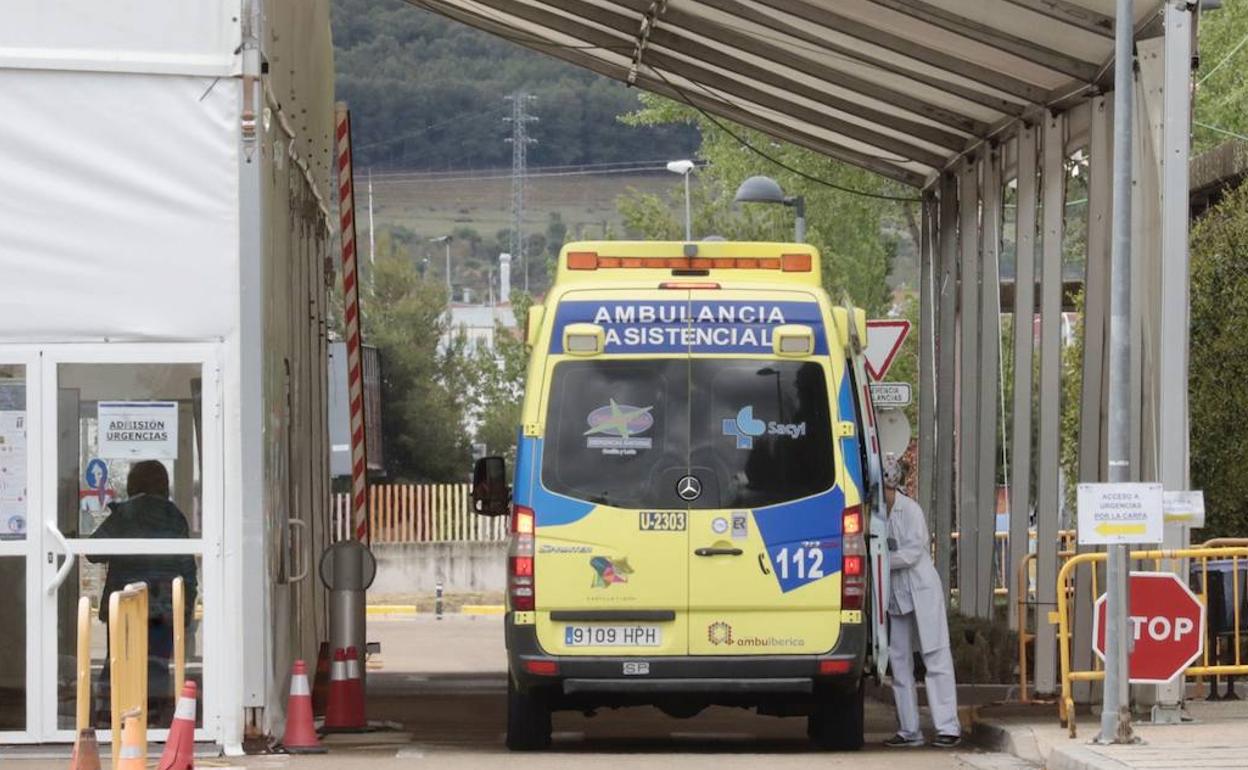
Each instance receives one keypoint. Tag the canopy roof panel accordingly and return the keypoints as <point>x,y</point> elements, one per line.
<point>901,87</point>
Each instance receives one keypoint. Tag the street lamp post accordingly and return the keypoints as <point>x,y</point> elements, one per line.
<point>446,239</point>
<point>764,189</point>
<point>684,168</point>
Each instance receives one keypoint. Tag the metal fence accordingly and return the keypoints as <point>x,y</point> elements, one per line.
<point>420,513</point>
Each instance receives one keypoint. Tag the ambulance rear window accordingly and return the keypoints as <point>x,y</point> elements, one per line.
<point>618,431</point>
<point>752,432</point>
<point>762,432</point>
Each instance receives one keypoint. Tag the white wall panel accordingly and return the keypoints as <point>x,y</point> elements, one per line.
<point>188,37</point>
<point>120,212</point>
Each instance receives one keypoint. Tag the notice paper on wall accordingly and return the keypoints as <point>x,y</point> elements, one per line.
<point>12,474</point>
<point>138,430</point>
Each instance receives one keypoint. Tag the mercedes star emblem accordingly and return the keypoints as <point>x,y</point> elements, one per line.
<point>689,488</point>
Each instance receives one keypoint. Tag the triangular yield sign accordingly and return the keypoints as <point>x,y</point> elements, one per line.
<point>884,339</point>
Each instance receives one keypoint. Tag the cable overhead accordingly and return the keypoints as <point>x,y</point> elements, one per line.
<point>747,145</point>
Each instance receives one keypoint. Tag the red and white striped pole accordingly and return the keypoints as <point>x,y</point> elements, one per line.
<point>351,312</point>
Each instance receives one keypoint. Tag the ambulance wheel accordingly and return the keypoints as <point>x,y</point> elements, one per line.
<point>837,722</point>
<point>528,719</point>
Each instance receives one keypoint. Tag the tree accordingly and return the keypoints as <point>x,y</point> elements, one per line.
<point>427,92</point>
<point>556,234</point>
<point>498,383</point>
<point>857,235</point>
<point>1221,103</point>
<point>423,382</point>
<point>1219,364</point>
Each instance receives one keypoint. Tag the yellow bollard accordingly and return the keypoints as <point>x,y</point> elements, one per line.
<point>133,751</point>
<point>127,654</point>
<point>83,720</point>
<point>179,636</point>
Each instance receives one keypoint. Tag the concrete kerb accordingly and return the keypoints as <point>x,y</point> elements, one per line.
<point>399,611</point>
<point>1215,737</point>
<point>1077,756</point>
<point>1016,740</point>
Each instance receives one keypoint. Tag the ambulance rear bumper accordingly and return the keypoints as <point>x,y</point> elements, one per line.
<point>840,669</point>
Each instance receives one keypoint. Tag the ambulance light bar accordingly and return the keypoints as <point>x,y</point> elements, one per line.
<point>788,263</point>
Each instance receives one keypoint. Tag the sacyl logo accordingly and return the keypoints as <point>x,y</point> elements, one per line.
<point>746,428</point>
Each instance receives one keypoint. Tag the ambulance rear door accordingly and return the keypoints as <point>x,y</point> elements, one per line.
<point>871,476</point>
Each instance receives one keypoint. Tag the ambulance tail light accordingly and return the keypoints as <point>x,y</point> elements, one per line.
<point>853,559</point>
<point>520,585</point>
<point>830,666</point>
<point>795,263</point>
<point>582,260</point>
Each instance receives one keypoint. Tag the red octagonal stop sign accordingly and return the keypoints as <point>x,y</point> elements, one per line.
<point>1166,622</point>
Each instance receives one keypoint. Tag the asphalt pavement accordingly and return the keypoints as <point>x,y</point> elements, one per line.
<point>439,690</point>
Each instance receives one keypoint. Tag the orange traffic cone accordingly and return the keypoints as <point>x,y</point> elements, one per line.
<point>300,736</point>
<point>355,682</point>
<point>320,685</point>
<point>179,751</point>
<point>133,754</point>
<point>338,709</point>
<point>86,751</point>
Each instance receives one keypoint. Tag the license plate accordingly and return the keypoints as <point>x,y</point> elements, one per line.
<point>612,636</point>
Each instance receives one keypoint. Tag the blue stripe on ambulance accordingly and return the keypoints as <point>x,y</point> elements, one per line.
<point>549,509</point>
<point>849,444</point>
<point>793,532</point>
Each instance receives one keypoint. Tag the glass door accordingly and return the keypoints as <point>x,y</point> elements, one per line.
<point>131,492</point>
<point>19,544</point>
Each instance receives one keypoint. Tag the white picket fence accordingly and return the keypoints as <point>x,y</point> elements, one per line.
<point>420,513</point>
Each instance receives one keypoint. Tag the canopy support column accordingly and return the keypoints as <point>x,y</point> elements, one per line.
<point>1048,498</point>
<point>1094,397</point>
<point>989,381</point>
<point>1024,334</point>
<point>927,358</point>
<point>946,372</point>
<point>968,432</point>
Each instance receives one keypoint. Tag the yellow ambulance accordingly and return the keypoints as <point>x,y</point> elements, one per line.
<point>696,508</point>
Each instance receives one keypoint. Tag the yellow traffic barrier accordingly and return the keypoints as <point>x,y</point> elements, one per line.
<point>1026,598</point>
<point>127,656</point>
<point>1234,553</point>
<point>179,636</point>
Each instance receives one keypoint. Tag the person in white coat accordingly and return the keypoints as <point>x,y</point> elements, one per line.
<point>916,609</point>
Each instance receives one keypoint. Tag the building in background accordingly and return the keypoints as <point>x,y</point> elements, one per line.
<point>479,322</point>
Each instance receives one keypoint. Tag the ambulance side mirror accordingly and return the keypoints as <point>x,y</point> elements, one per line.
<point>490,496</point>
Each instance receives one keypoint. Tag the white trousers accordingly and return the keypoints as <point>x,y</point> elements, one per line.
<point>942,689</point>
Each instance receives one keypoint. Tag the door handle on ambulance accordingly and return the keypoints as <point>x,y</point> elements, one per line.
<point>63,572</point>
<point>719,552</point>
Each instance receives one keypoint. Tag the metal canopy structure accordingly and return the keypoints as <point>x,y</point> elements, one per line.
<point>901,87</point>
<point>965,100</point>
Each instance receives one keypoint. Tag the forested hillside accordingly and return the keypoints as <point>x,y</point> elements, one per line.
<point>427,93</point>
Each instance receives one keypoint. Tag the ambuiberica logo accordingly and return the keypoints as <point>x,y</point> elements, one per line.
<point>719,632</point>
<point>745,427</point>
